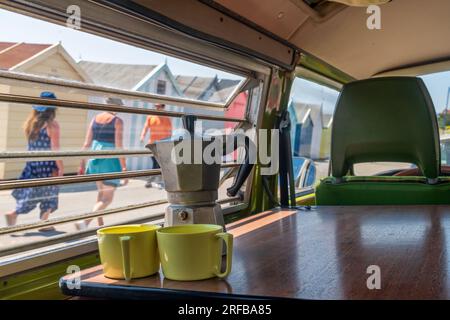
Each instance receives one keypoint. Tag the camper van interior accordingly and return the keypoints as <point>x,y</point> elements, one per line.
<point>224,149</point>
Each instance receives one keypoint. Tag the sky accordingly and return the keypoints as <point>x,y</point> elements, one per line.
<point>15,27</point>
<point>438,85</point>
<point>84,46</point>
<point>308,92</point>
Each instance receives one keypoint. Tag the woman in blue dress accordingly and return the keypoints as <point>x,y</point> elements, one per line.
<point>105,133</point>
<point>42,132</point>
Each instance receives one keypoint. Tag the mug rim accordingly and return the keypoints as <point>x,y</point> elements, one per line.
<point>145,228</point>
<point>212,227</point>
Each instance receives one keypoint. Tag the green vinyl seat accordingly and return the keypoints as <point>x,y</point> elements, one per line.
<point>388,119</point>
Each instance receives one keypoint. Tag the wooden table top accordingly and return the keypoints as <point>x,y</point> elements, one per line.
<point>319,254</point>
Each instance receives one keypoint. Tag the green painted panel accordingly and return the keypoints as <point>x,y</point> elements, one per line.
<point>41,283</point>
<point>308,200</point>
<point>316,65</point>
<point>277,102</point>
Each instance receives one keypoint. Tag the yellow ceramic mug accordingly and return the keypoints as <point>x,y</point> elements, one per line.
<point>128,251</point>
<point>194,251</point>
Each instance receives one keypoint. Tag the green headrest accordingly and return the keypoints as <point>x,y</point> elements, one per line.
<point>385,119</point>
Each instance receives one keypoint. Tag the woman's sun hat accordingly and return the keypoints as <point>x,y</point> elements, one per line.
<point>46,95</point>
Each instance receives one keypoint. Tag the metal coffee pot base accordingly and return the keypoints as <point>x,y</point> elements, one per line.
<point>186,214</point>
<point>183,214</point>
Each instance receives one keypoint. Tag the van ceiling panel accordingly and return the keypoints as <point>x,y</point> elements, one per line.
<point>412,32</point>
<point>280,17</point>
<point>196,18</point>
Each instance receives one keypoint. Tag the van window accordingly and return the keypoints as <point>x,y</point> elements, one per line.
<point>35,48</point>
<point>438,85</point>
<point>311,107</point>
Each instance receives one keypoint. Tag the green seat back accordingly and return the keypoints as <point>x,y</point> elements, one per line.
<point>385,119</point>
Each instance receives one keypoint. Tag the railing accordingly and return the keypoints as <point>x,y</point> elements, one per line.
<point>11,77</point>
<point>31,183</point>
<point>53,181</point>
<point>13,98</point>
<point>17,248</point>
<point>8,185</point>
<point>90,215</point>
<point>72,218</point>
<point>9,250</point>
<point>13,156</point>
<point>14,78</point>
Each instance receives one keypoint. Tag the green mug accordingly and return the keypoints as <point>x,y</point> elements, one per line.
<point>194,251</point>
<point>128,251</point>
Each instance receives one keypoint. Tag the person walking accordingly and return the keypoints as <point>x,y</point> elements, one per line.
<point>160,128</point>
<point>42,132</point>
<point>104,133</point>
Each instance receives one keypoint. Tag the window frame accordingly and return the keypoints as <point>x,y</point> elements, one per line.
<point>205,55</point>
<point>306,74</point>
<point>85,243</point>
<point>36,259</point>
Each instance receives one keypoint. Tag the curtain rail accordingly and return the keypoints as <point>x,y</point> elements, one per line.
<point>31,183</point>
<point>9,156</point>
<point>124,94</point>
<point>12,98</point>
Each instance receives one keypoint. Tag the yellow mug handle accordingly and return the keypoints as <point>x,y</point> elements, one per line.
<point>126,261</point>
<point>228,238</point>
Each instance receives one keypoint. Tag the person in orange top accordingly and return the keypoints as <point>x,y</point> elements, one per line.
<point>160,128</point>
